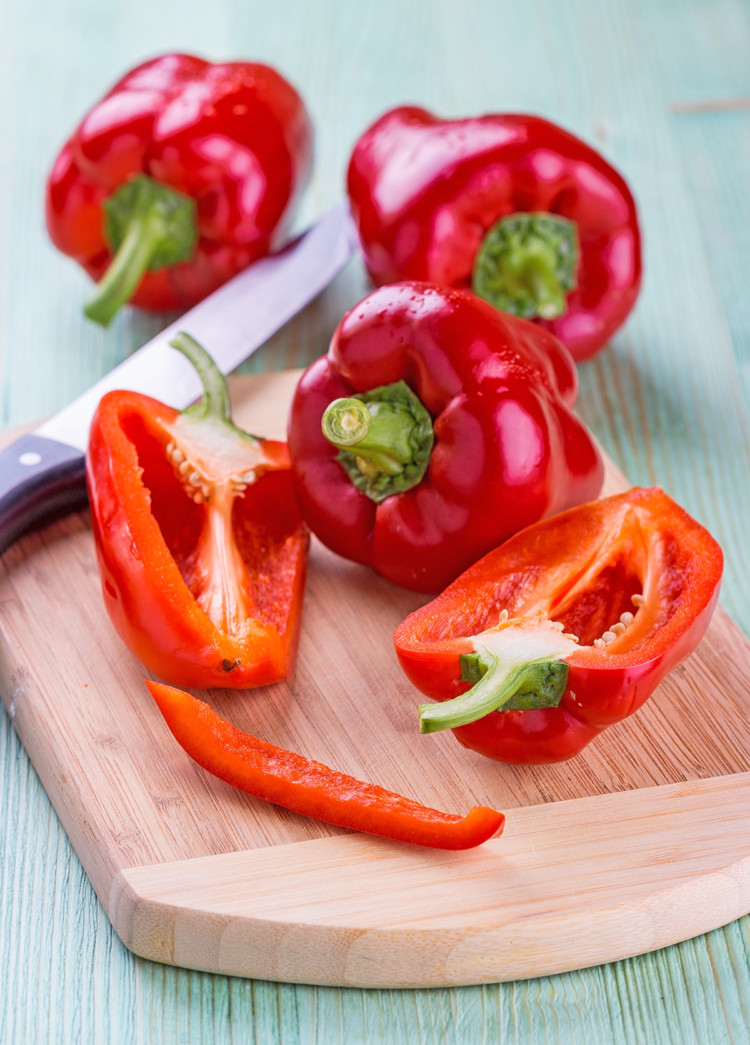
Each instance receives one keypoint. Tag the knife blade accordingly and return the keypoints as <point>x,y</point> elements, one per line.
<point>42,472</point>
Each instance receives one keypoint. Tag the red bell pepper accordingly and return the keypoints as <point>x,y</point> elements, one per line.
<point>310,788</point>
<point>565,629</point>
<point>201,548</point>
<point>447,427</point>
<point>180,177</point>
<point>533,219</point>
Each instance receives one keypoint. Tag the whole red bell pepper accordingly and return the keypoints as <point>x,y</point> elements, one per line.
<point>434,428</point>
<point>310,788</point>
<point>180,177</point>
<point>565,629</point>
<point>529,216</point>
<point>201,548</point>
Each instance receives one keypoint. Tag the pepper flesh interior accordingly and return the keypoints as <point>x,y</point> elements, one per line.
<point>220,466</point>
<point>586,596</point>
<point>589,601</point>
<point>221,591</point>
<point>550,612</point>
<point>206,534</point>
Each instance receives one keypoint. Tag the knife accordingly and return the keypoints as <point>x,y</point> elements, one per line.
<point>42,473</point>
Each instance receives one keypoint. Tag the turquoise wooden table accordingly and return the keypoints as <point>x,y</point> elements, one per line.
<point>663,89</point>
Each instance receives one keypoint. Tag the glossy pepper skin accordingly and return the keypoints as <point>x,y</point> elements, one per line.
<point>497,393</point>
<point>425,193</point>
<point>233,140</point>
<point>631,582</point>
<point>311,788</point>
<point>201,548</point>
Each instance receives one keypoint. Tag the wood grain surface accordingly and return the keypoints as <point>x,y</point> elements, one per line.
<point>193,873</point>
<point>656,86</point>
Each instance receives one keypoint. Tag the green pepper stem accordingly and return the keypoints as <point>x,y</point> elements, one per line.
<point>215,402</point>
<point>346,422</point>
<point>379,433</point>
<point>119,282</point>
<point>534,271</point>
<point>384,437</point>
<point>527,264</point>
<point>504,685</point>
<point>148,226</point>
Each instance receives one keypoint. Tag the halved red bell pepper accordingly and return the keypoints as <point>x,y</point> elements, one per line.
<point>529,216</point>
<point>566,628</point>
<point>181,176</point>
<point>446,427</point>
<point>310,788</point>
<point>201,547</point>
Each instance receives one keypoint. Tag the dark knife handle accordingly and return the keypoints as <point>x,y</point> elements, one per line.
<point>39,479</point>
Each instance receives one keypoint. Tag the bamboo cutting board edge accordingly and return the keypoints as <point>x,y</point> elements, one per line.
<point>156,924</point>
<point>518,923</point>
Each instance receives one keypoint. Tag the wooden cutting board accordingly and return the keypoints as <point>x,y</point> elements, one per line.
<point>641,841</point>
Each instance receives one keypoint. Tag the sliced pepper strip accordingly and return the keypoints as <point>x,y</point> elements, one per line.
<point>311,788</point>
<point>565,629</point>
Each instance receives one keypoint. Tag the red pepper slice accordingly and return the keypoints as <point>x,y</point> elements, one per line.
<point>530,217</point>
<point>180,177</point>
<point>310,788</point>
<point>566,628</point>
<point>446,427</point>
<point>201,548</point>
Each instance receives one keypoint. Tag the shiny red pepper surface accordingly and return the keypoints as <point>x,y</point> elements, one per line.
<point>565,629</point>
<point>554,225</point>
<point>233,141</point>
<point>201,548</point>
<point>496,446</point>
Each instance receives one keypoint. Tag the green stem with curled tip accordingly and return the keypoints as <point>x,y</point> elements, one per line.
<point>215,405</point>
<point>215,402</point>
<point>384,436</point>
<point>500,684</point>
<point>527,264</point>
<point>148,226</point>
